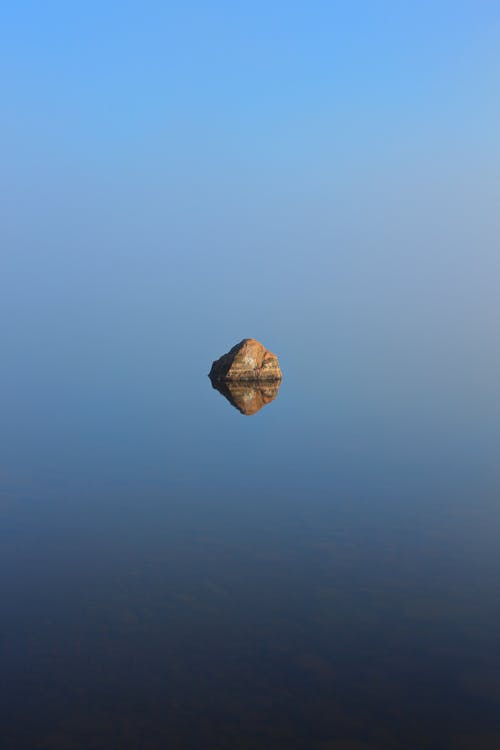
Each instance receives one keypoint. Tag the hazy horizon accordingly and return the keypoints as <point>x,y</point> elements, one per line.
<point>323,177</point>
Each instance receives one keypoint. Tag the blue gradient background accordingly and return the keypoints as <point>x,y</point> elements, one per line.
<point>323,177</point>
<point>177,176</point>
<point>276,170</point>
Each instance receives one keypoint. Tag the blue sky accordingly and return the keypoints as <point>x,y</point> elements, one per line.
<point>125,74</point>
<point>266,169</point>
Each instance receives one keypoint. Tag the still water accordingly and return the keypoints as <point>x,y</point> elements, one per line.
<point>318,569</point>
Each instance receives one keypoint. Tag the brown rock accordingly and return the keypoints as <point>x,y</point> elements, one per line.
<point>248,397</point>
<point>249,361</point>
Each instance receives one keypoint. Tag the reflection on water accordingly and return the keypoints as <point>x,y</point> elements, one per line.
<point>322,578</point>
<point>248,397</point>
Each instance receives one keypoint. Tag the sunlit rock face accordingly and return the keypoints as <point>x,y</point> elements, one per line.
<point>248,397</point>
<point>247,361</point>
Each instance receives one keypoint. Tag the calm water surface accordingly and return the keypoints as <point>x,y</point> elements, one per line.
<point>323,574</point>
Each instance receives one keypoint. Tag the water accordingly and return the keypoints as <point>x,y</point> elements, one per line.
<point>322,574</point>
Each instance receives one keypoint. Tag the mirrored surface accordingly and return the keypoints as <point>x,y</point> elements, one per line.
<point>322,576</point>
<point>248,397</point>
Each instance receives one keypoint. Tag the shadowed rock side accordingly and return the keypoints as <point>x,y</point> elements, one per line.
<point>247,397</point>
<point>247,361</point>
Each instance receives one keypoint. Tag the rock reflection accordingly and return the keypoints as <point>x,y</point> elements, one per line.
<point>248,397</point>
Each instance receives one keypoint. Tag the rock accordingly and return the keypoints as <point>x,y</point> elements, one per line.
<point>246,396</point>
<point>247,361</point>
